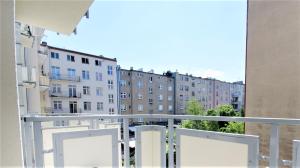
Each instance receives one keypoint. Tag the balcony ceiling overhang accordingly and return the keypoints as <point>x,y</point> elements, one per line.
<point>60,16</point>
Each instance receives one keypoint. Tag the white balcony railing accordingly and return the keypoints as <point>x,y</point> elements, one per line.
<point>86,143</point>
<point>64,77</point>
<point>65,94</point>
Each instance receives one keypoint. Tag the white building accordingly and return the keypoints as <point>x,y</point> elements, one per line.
<point>79,82</point>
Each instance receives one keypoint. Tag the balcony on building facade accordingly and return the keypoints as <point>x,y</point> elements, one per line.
<point>61,111</point>
<point>64,94</point>
<point>88,141</point>
<point>44,82</point>
<point>61,77</point>
<point>43,51</point>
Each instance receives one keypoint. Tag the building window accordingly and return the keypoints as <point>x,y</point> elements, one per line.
<point>160,86</point>
<point>73,106</point>
<point>140,107</point>
<point>71,58</point>
<point>122,82</point>
<point>111,111</point>
<point>160,97</point>
<point>150,90</point>
<point>99,91</point>
<point>160,107</point>
<point>56,88</point>
<point>99,106</point>
<point>87,106</point>
<point>54,55</point>
<point>98,63</point>
<point>57,105</point>
<point>170,98</point>
<point>123,95</point>
<point>71,73</point>
<point>98,76</point>
<point>193,84</point>
<point>170,108</point>
<point>110,84</point>
<point>85,60</point>
<point>123,107</point>
<point>109,70</point>
<point>140,84</point>
<point>181,87</point>
<point>72,91</point>
<point>170,88</point>
<point>55,72</point>
<point>139,74</point>
<point>140,96</point>
<point>193,93</point>
<point>150,79</point>
<point>150,101</point>
<point>86,90</point>
<point>85,75</point>
<point>181,97</point>
<point>186,88</point>
<point>110,98</point>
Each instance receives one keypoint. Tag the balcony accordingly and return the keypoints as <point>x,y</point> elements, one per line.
<point>95,142</point>
<point>62,111</point>
<point>64,77</point>
<point>44,83</point>
<point>43,51</point>
<point>64,94</point>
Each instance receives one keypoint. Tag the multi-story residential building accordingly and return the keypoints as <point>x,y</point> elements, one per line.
<point>79,82</point>
<point>189,87</point>
<point>209,92</point>
<point>237,90</point>
<point>146,92</point>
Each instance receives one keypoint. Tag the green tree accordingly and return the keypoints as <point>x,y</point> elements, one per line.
<point>212,125</point>
<point>242,112</point>
<point>234,127</point>
<point>194,108</point>
<point>227,111</point>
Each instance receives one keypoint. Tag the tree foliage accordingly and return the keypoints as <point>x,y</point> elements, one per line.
<point>195,108</point>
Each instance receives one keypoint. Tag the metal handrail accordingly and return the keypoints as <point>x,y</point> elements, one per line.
<point>64,94</point>
<point>88,116</point>
<point>64,77</point>
<point>63,111</point>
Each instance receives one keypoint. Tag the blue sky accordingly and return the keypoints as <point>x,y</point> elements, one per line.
<point>203,38</point>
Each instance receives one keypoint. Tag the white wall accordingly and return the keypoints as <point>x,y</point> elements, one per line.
<point>10,126</point>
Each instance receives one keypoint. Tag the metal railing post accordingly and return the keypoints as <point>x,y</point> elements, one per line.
<point>92,124</point>
<point>38,144</point>
<point>274,146</point>
<point>126,143</point>
<point>170,142</point>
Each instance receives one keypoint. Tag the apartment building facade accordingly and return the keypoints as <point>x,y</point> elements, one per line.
<point>79,82</point>
<point>207,91</point>
<point>146,92</point>
<point>149,93</point>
